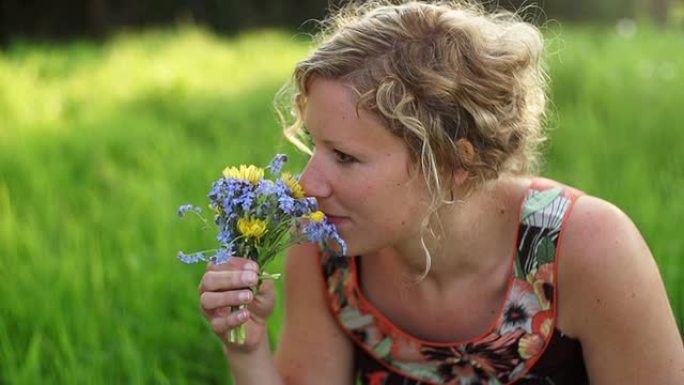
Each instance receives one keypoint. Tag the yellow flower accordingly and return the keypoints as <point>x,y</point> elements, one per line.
<point>316,216</point>
<point>252,228</point>
<point>293,184</point>
<point>252,173</point>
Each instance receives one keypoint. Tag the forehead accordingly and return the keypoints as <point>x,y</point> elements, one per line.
<point>330,113</point>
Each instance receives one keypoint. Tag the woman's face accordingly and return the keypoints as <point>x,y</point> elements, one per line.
<point>359,172</point>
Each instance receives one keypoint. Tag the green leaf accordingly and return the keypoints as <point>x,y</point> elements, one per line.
<point>539,201</point>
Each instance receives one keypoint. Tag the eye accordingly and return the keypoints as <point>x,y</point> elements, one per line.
<point>343,158</point>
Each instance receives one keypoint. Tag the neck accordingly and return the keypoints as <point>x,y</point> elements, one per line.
<point>473,238</point>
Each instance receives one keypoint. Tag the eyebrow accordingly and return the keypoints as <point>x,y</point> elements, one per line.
<point>327,142</point>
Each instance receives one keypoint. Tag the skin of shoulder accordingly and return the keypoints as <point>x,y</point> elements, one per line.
<point>612,298</point>
<point>313,349</point>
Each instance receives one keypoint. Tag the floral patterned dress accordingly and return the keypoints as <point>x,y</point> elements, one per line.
<point>523,345</point>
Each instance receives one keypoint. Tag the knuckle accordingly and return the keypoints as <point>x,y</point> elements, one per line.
<point>230,298</point>
<point>219,324</point>
<point>221,266</point>
<point>211,266</point>
<point>222,324</point>
<point>223,299</point>
<point>206,300</point>
<point>205,284</point>
<point>213,300</point>
<point>213,281</point>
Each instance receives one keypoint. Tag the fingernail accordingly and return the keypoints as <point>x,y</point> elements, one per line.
<point>249,278</point>
<point>244,296</point>
<point>252,266</point>
<point>242,315</point>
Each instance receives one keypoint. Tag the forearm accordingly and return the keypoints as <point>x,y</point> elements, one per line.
<point>253,368</point>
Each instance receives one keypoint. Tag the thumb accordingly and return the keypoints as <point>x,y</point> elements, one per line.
<point>264,300</point>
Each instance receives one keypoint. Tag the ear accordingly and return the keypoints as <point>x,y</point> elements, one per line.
<point>300,102</point>
<point>468,151</point>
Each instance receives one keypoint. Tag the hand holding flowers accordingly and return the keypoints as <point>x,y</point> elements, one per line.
<point>258,217</point>
<point>227,285</point>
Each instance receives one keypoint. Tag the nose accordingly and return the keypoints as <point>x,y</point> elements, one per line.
<point>314,180</point>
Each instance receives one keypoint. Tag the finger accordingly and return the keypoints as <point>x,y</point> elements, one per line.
<point>211,300</point>
<point>234,263</point>
<point>222,325</point>
<point>219,312</point>
<point>227,280</point>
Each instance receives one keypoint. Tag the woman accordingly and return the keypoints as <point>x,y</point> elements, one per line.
<point>423,121</point>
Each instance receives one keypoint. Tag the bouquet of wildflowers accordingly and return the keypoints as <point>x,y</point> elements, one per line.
<point>257,217</point>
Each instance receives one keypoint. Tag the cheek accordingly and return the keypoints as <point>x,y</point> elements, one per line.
<point>369,195</point>
<point>396,210</point>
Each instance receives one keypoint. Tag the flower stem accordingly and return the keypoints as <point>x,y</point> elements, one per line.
<point>266,276</point>
<point>239,334</point>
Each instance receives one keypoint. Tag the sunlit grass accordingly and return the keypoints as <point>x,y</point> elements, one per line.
<point>52,87</point>
<point>99,144</point>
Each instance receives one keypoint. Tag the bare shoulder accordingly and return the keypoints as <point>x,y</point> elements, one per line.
<point>313,349</point>
<point>612,298</point>
<point>602,240</point>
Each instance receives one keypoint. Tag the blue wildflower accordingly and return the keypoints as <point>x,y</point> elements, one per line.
<point>215,192</point>
<point>265,187</point>
<point>286,204</point>
<point>191,258</point>
<point>322,232</point>
<point>302,207</point>
<point>246,200</point>
<point>335,236</point>
<point>225,236</point>
<point>277,164</point>
<point>311,204</point>
<point>281,188</point>
<point>222,256</point>
<point>182,210</point>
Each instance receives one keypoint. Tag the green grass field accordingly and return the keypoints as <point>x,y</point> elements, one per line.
<point>99,144</point>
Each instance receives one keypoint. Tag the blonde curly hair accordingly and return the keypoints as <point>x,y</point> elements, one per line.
<point>436,73</point>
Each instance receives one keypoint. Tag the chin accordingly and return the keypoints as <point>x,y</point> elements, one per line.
<point>356,245</point>
<point>355,250</point>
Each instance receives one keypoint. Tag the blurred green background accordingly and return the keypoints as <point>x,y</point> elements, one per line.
<point>104,134</point>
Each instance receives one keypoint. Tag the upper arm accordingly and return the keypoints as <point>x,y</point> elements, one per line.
<point>313,349</point>
<point>612,297</point>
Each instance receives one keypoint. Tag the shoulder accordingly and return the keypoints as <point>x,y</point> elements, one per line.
<point>599,235</point>
<point>612,298</point>
<point>603,257</point>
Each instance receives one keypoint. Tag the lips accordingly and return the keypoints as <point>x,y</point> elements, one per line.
<point>334,219</point>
